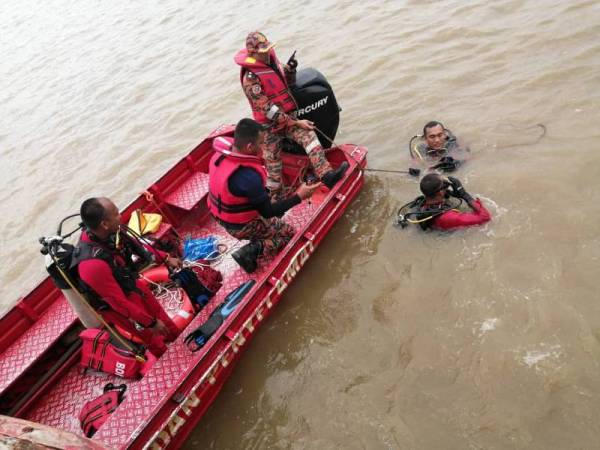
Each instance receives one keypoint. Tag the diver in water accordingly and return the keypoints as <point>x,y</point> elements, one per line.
<point>437,145</point>
<point>438,206</point>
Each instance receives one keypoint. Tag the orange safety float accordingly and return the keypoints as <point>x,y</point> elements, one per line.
<point>180,317</point>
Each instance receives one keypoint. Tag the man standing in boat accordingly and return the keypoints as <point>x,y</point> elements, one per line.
<point>239,200</point>
<point>107,261</point>
<point>266,84</point>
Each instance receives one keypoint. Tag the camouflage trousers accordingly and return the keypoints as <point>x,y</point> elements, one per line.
<point>273,233</point>
<point>271,153</point>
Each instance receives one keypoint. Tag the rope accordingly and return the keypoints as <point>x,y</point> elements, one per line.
<point>367,169</point>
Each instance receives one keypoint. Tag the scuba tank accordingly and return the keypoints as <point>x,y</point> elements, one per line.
<point>317,103</point>
<point>61,258</point>
<point>58,255</point>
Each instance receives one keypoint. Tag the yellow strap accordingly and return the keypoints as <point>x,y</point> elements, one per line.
<point>430,217</point>
<point>139,357</point>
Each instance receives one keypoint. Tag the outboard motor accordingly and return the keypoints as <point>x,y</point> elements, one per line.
<point>317,103</point>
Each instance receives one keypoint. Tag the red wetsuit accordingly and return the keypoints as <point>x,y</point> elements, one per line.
<point>124,309</point>
<point>458,219</point>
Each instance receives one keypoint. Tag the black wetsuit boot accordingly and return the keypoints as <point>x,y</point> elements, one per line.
<point>333,176</point>
<point>247,255</point>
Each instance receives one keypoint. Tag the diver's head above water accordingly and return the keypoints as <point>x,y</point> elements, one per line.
<point>434,188</point>
<point>435,135</point>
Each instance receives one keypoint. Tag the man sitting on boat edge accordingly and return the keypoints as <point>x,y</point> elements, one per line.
<point>266,84</point>
<point>239,200</point>
<point>105,262</point>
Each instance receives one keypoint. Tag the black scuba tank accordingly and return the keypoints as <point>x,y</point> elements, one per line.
<point>317,103</point>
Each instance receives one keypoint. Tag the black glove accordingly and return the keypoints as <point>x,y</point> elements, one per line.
<point>447,164</point>
<point>458,190</point>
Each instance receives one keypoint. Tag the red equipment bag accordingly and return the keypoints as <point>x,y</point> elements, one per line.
<point>210,278</point>
<point>95,412</point>
<point>99,353</point>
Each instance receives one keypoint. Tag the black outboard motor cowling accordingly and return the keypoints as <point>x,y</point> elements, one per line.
<point>317,103</point>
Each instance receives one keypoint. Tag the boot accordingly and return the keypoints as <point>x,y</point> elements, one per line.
<point>247,255</point>
<point>333,176</point>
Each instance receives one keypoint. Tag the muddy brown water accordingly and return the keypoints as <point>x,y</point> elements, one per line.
<point>485,338</point>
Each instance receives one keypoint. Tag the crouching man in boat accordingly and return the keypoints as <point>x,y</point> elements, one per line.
<point>434,209</point>
<point>239,200</point>
<point>266,82</point>
<point>107,261</point>
<point>438,145</point>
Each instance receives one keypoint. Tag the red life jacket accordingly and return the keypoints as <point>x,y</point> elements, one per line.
<point>99,353</point>
<point>221,202</point>
<point>273,82</point>
<point>95,412</point>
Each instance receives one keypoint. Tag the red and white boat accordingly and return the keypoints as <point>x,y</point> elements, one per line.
<point>40,377</point>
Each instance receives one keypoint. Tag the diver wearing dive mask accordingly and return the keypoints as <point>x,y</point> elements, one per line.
<point>435,208</point>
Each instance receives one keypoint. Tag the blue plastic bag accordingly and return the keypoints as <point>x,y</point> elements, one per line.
<point>202,248</point>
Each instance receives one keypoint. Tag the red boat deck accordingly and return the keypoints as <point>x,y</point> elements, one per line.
<point>180,197</point>
<point>144,396</point>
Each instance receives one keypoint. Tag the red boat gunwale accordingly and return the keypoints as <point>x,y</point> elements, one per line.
<point>162,408</point>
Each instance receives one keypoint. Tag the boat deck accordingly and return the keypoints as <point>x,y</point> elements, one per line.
<point>182,199</point>
<point>60,406</point>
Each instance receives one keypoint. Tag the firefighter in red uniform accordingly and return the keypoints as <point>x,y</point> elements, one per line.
<point>105,259</point>
<point>435,210</point>
<point>239,200</point>
<point>265,82</point>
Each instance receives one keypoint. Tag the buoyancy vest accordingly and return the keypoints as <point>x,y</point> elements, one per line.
<point>125,274</point>
<point>273,82</point>
<point>221,202</point>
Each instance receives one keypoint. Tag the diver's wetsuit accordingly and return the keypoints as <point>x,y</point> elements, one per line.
<point>453,219</point>
<point>141,307</point>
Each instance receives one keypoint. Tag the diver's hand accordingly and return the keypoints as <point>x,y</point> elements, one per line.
<point>160,327</point>
<point>458,190</point>
<point>305,191</point>
<point>457,186</point>
<point>446,164</point>
<point>305,124</point>
<point>173,263</point>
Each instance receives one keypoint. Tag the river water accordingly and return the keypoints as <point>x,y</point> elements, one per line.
<point>389,338</point>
